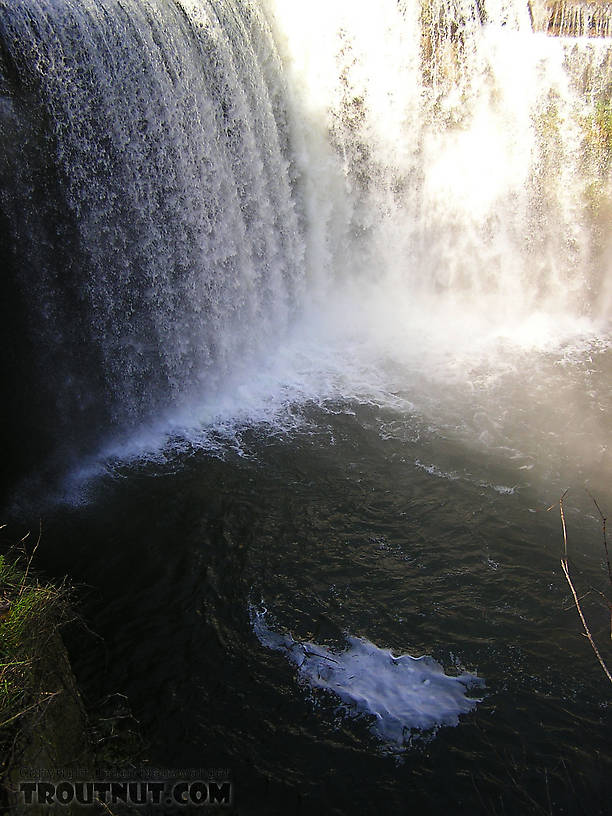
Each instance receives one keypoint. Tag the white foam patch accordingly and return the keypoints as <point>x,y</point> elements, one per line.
<point>359,348</point>
<point>434,470</point>
<point>402,694</point>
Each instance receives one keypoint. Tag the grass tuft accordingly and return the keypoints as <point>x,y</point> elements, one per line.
<point>31,613</point>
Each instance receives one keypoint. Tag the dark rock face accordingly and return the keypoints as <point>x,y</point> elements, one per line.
<point>53,735</point>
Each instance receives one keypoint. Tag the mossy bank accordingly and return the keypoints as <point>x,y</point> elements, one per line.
<point>43,724</point>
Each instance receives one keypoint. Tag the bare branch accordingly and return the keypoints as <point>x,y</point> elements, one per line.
<point>565,568</point>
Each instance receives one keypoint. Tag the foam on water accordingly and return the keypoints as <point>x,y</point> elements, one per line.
<point>401,694</point>
<point>325,213</point>
<point>367,351</point>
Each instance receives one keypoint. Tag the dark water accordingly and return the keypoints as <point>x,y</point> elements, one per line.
<point>377,523</point>
<point>352,290</point>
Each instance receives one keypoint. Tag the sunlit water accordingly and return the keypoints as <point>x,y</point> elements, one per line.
<point>410,519</point>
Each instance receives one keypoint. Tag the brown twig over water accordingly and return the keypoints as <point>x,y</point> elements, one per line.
<point>566,572</point>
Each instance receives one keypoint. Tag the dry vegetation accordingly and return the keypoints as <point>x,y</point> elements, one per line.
<point>31,613</point>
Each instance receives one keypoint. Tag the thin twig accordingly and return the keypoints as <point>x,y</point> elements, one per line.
<point>563,523</point>
<point>584,623</point>
<point>25,575</point>
<point>106,807</point>
<point>45,699</point>
<point>565,568</point>
<point>581,598</point>
<point>605,542</point>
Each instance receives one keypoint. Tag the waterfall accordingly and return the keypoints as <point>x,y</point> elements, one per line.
<point>148,202</point>
<point>179,178</point>
<point>580,19</point>
<point>473,153</point>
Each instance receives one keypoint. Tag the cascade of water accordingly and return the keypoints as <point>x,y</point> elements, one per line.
<point>582,19</point>
<point>472,157</point>
<point>148,199</point>
<point>178,175</point>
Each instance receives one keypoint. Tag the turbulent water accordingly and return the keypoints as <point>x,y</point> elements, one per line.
<point>307,309</point>
<point>148,190</point>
